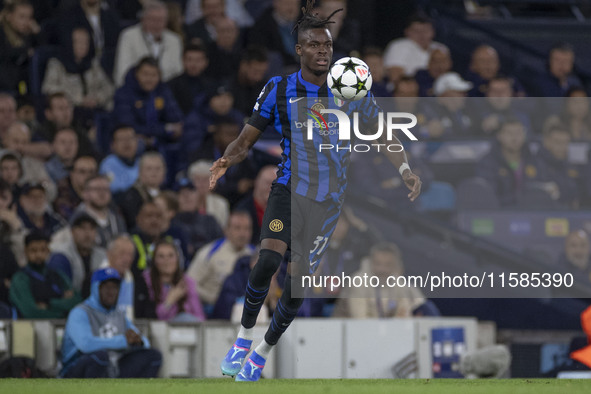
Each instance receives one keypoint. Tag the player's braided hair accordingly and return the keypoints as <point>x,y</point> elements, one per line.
<point>311,20</point>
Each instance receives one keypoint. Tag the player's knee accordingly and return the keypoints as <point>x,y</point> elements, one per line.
<point>267,264</point>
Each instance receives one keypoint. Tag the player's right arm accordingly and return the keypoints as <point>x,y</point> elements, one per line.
<point>262,115</point>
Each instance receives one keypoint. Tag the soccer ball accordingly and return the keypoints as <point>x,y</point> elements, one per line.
<point>349,79</point>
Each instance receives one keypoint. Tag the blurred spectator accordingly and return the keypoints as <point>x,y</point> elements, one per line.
<point>576,114</point>
<point>100,21</point>
<point>366,302</point>
<point>559,77</point>
<point>79,257</point>
<point>97,202</point>
<point>250,79</point>
<point>11,229</point>
<point>149,38</point>
<point>215,261</point>
<point>37,291</point>
<point>33,210</point>
<point>208,202</point>
<point>145,103</point>
<point>122,165</point>
<point>11,172</point>
<point>439,63</point>
<point>509,166</point>
<point>273,30</point>
<point>79,74</point>
<point>17,39</point>
<point>59,114</point>
<point>133,299</point>
<point>404,56</point>
<point>71,188</point>
<point>374,58</point>
<point>450,118</point>
<point>499,106</point>
<point>200,228</point>
<point>238,180</point>
<point>345,29</point>
<point>202,30</point>
<point>576,257</point>
<point>65,148</point>
<point>174,293</point>
<point>175,19</point>
<point>225,52</point>
<point>255,202</point>
<point>168,203</point>
<point>150,178</point>
<point>26,113</point>
<point>96,329</point>
<point>7,112</point>
<point>234,10</point>
<point>16,141</point>
<point>193,83</point>
<point>553,165</point>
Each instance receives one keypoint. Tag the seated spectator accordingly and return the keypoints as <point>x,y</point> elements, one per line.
<point>450,118</point>
<point>576,115</point>
<point>273,30</point>
<point>149,38</point>
<point>33,212</point>
<point>168,203</point>
<point>133,299</point>
<point>97,203</point>
<point>498,106</point>
<point>193,84</point>
<point>16,140</point>
<point>366,302</point>
<point>150,178</point>
<point>238,180</point>
<point>59,114</point>
<point>71,188</point>
<point>560,76</point>
<point>404,56</point>
<point>345,29</point>
<point>215,261</point>
<point>27,113</point>
<point>122,165</point>
<point>226,50</point>
<point>80,75</point>
<point>484,66</point>
<point>553,166</point>
<point>202,31</point>
<point>576,257</point>
<point>7,113</point>
<point>439,63</point>
<point>509,166</point>
<point>199,228</point>
<point>11,172</point>
<point>207,202</point>
<point>17,39</point>
<point>250,78</point>
<point>234,9</point>
<point>96,329</point>
<point>255,202</point>
<point>80,256</point>
<point>37,291</point>
<point>174,293</point>
<point>374,58</point>
<point>65,148</point>
<point>145,103</point>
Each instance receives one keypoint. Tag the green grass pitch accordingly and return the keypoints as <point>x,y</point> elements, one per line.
<point>288,386</point>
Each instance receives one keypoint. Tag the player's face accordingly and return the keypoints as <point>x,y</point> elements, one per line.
<point>315,49</point>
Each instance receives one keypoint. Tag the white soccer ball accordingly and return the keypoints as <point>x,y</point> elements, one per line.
<point>349,79</point>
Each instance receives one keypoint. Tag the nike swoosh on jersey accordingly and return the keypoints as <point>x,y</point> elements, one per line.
<point>295,99</point>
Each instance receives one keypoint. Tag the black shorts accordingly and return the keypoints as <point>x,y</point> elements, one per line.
<point>303,224</point>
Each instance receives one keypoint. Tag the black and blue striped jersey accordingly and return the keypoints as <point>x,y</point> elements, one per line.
<point>288,103</point>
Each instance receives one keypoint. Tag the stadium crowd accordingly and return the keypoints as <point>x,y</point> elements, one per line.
<point>111,114</point>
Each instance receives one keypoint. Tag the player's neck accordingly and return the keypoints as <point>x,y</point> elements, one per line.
<point>311,77</point>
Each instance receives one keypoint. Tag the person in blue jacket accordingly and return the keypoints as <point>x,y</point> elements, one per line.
<point>148,105</point>
<point>101,342</point>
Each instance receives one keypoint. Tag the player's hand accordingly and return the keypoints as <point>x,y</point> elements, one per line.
<point>218,169</point>
<point>413,182</point>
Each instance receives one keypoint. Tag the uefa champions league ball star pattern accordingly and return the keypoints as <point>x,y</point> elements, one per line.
<point>349,79</point>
